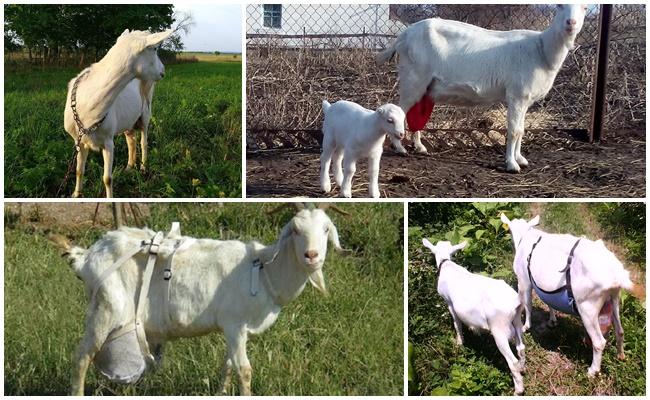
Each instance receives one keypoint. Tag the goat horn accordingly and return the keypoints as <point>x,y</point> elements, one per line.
<point>330,206</point>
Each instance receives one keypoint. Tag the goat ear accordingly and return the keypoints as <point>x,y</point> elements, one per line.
<point>380,111</point>
<point>317,280</point>
<point>126,32</point>
<point>333,236</point>
<point>534,221</point>
<point>155,39</point>
<point>459,246</point>
<point>505,219</point>
<point>428,245</point>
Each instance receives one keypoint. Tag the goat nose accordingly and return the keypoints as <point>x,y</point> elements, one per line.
<point>571,22</point>
<point>311,254</point>
<point>162,74</point>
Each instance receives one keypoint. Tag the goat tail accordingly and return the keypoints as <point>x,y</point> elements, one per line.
<point>636,289</point>
<point>386,55</point>
<point>76,255</point>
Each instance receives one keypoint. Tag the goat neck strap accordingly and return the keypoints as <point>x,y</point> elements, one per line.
<point>441,263</point>
<point>530,255</point>
<point>152,246</point>
<point>255,274</point>
<point>167,276</point>
<point>570,258</point>
<point>82,131</point>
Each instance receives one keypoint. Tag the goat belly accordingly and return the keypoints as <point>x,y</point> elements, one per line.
<point>418,115</point>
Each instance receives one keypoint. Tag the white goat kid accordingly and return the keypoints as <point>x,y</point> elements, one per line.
<point>482,303</point>
<point>450,62</point>
<point>112,96</point>
<point>576,275</point>
<point>350,133</point>
<point>213,287</point>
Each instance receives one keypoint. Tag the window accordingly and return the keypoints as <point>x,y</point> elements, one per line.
<point>272,16</point>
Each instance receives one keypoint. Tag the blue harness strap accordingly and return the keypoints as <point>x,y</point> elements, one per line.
<point>560,299</point>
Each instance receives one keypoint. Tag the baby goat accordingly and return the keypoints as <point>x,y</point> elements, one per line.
<point>351,132</point>
<point>481,303</point>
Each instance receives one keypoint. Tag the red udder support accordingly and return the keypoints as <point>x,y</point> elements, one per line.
<point>419,114</point>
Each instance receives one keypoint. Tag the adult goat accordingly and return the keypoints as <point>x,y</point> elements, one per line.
<point>450,62</point>
<point>112,96</point>
<point>573,275</point>
<point>197,286</point>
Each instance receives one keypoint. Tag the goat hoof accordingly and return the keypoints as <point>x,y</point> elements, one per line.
<point>401,150</point>
<point>76,195</point>
<point>512,166</point>
<point>621,357</point>
<point>143,168</point>
<point>346,195</point>
<point>326,187</point>
<point>521,161</point>
<point>592,373</point>
<point>421,150</point>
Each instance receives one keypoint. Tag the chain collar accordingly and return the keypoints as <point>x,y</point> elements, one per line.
<point>82,131</point>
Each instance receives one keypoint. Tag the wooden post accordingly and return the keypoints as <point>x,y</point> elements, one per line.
<point>117,215</point>
<point>600,77</point>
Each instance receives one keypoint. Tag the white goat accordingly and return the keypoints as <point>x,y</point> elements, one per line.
<point>575,275</point>
<point>210,288</point>
<point>112,96</point>
<point>483,303</point>
<point>450,62</point>
<point>351,132</point>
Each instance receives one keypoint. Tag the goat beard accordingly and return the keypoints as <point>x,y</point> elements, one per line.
<point>317,280</point>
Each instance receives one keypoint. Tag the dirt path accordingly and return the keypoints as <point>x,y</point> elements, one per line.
<point>561,166</point>
<point>67,216</point>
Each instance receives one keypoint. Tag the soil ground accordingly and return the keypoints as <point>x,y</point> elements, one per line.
<point>561,165</point>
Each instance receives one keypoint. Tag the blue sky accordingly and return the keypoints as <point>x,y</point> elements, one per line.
<point>217,27</point>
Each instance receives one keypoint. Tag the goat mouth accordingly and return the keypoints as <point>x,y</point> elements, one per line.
<point>312,265</point>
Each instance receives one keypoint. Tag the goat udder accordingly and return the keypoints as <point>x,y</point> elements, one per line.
<point>419,114</point>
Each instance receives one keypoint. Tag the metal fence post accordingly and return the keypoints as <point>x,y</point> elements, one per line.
<point>600,77</point>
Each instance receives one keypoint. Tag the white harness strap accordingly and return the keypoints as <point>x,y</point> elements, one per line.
<point>154,246</point>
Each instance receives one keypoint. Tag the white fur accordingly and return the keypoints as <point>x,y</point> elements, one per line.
<point>210,288</point>
<point>350,133</point>
<point>120,87</point>
<point>481,303</point>
<point>461,64</point>
<point>596,276</point>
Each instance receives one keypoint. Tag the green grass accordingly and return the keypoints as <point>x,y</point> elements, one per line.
<point>348,343</point>
<point>194,136</point>
<point>557,359</point>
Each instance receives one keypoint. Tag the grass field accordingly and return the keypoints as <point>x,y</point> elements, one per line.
<point>348,343</point>
<point>194,136</point>
<point>556,358</point>
<point>211,57</point>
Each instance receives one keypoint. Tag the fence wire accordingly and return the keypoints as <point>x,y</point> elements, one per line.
<point>299,54</point>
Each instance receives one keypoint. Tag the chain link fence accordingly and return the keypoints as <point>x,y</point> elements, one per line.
<point>298,55</point>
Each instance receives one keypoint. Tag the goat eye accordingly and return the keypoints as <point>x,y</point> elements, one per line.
<point>327,229</point>
<point>294,231</point>
<point>390,120</point>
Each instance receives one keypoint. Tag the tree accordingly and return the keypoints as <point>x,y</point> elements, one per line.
<point>48,29</point>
